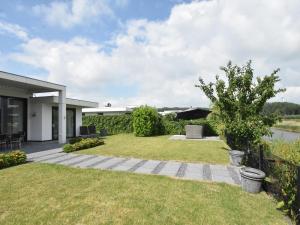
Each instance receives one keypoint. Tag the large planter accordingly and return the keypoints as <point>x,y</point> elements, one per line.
<point>194,131</point>
<point>236,157</point>
<point>252,179</point>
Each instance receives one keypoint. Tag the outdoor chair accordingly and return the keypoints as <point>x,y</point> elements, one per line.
<point>84,131</point>
<point>3,141</point>
<point>92,131</point>
<point>16,141</point>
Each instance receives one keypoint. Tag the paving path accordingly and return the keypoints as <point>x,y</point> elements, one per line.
<point>193,171</point>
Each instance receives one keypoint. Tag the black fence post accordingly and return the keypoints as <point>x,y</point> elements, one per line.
<point>261,158</point>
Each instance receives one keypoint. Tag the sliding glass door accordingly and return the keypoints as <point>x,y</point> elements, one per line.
<point>13,115</point>
<point>71,123</point>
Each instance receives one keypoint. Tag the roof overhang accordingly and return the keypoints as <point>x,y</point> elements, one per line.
<point>69,101</point>
<point>107,109</point>
<point>30,84</point>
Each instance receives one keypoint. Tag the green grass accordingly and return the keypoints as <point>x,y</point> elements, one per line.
<point>161,148</point>
<point>292,125</point>
<point>50,194</point>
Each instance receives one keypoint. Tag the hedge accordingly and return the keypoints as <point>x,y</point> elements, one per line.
<point>112,124</point>
<point>168,124</point>
<point>83,144</point>
<point>12,158</point>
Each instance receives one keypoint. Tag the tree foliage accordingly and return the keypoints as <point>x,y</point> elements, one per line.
<point>146,122</point>
<point>240,101</point>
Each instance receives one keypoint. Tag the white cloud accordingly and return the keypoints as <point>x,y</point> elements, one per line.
<point>163,59</point>
<point>13,29</point>
<point>75,12</point>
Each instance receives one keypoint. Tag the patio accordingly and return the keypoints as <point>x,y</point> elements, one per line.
<point>32,147</point>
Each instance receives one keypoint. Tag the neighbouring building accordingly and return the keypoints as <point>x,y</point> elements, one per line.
<point>193,113</point>
<point>106,111</point>
<point>39,118</point>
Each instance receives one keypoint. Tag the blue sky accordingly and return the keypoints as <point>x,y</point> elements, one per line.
<point>131,52</point>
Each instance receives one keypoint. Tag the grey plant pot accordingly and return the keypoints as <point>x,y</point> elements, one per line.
<point>236,157</point>
<point>252,179</point>
<point>193,131</point>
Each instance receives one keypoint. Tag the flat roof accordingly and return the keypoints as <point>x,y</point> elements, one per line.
<point>28,83</point>
<point>69,101</point>
<point>107,109</point>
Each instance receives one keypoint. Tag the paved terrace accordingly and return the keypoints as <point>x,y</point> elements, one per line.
<point>193,171</point>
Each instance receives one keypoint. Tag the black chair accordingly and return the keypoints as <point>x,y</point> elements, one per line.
<point>92,129</point>
<point>16,141</point>
<point>4,141</point>
<point>84,131</point>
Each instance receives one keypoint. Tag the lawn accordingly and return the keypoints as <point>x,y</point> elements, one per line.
<point>161,148</point>
<point>51,194</point>
<point>292,125</point>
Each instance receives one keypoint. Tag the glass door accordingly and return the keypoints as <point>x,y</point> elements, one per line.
<point>71,123</point>
<point>13,115</point>
<point>71,120</point>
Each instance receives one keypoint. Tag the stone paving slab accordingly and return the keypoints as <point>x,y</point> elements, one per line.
<point>75,160</point>
<point>194,171</point>
<point>108,163</point>
<point>43,153</point>
<point>90,162</point>
<point>59,159</point>
<point>48,157</point>
<point>126,166</point>
<point>170,169</point>
<point>148,167</point>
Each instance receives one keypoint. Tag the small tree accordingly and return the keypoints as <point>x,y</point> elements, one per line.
<point>146,121</point>
<point>239,102</point>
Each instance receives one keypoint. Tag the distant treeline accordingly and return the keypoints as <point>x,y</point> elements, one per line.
<point>282,108</point>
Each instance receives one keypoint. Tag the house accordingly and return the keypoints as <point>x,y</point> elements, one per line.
<point>39,118</point>
<point>193,113</point>
<point>106,111</point>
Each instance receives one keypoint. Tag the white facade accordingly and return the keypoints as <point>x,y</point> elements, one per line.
<point>39,109</point>
<point>106,111</point>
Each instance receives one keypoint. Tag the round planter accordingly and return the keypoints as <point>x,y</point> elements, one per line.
<point>252,179</point>
<point>193,131</point>
<point>236,157</point>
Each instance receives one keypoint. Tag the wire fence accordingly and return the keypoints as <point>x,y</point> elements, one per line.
<point>283,179</point>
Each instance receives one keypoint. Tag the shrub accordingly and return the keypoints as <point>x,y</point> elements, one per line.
<point>83,144</point>
<point>12,158</point>
<point>75,140</point>
<point>146,122</point>
<point>112,124</point>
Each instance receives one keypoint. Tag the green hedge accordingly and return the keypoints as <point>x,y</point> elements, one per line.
<point>83,144</point>
<point>167,124</point>
<point>173,126</point>
<point>12,158</point>
<point>112,124</point>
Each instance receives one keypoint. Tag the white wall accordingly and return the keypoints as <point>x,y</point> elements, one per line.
<point>40,125</point>
<point>34,123</point>
<point>78,120</point>
<point>47,122</point>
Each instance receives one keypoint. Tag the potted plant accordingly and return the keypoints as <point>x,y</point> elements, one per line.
<point>252,179</point>
<point>235,156</point>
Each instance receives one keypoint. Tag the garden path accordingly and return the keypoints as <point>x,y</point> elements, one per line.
<point>182,170</point>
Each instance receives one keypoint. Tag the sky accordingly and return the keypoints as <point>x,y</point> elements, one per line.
<point>134,52</point>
